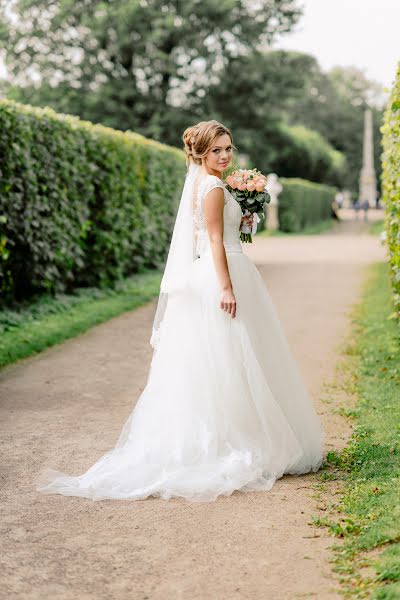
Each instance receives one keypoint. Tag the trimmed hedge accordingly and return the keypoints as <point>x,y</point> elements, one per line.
<point>86,205</point>
<point>80,204</point>
<point>391,185</point>
<point>303,203</point>
<point>302,150</point>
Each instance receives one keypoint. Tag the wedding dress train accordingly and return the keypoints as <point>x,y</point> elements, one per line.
<point>224,407</point>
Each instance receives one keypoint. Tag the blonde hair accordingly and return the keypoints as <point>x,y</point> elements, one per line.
<point>199,138</point>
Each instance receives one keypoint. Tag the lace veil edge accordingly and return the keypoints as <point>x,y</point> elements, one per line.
<point>181,252</point>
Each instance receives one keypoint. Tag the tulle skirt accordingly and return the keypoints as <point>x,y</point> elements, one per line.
<point>224,407</point>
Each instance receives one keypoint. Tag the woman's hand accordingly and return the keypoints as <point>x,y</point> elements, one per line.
<point>228,302</point>
<point>248,220</point>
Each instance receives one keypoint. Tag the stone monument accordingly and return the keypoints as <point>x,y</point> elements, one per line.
<point>274,188</point>
<point>367,189</point>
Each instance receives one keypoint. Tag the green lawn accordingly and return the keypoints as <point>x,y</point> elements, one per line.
<point>34,326</point>
<point>368,469</point>
<point>377,227</point>
<point>40,323</point>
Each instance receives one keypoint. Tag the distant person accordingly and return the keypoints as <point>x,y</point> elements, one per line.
<point>339,198</point>
<point>357,206</point>
<point>365,207</point>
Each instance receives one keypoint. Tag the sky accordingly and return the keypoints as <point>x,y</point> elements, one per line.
<point>361,33</point>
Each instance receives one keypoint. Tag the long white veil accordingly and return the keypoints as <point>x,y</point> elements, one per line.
<point>181,253</point>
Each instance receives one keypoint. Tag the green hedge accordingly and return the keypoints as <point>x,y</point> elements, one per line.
<point>391,185</point>
<point>303,203</point>
<point>85,205</point>
<point>304,151</point>
<point>80,204</point>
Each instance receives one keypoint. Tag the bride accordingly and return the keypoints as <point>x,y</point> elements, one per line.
<point>224,407</point>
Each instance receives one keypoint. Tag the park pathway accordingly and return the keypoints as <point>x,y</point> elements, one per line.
<point>65,407</point>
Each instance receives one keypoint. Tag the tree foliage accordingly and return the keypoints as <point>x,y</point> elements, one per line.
<point>253,95</point>
<point>126,60</point>
<point>157,66</point>
<point>333,104</point>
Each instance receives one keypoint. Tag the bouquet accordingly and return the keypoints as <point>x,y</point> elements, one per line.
<point>248,187</point>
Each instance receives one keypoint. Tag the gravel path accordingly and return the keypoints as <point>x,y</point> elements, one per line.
<point>65,407</point>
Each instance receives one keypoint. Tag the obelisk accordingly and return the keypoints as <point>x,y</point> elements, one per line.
<point>367,175</point>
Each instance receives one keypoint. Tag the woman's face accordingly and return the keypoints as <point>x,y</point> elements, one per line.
<point>220,154</point>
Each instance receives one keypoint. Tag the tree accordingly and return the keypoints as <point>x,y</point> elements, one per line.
<point>250,95</point>
<point>333,104</point>
<point>132,63</point>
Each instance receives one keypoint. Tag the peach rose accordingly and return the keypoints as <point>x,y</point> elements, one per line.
<point>260,186</point>
<point>251,186</point>
<point>242,186</point>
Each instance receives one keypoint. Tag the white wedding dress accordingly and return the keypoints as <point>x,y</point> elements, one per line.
<point>224,407</point>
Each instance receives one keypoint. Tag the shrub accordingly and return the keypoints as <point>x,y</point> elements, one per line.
<point>80,204</point>
<point>303,203</point>
<point>391,185</point>
<point>86,205</point>
<point>305,153</point>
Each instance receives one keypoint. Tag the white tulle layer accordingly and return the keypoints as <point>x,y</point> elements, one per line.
<point>224,407</point>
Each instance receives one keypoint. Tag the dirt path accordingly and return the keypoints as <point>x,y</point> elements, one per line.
<point>65,407</point>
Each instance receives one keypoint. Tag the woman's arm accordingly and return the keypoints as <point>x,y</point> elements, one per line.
<point>213,209</point>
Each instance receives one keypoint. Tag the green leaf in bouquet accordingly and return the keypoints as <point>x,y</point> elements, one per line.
<point>264,197</point>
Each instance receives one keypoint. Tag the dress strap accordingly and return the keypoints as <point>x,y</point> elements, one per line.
<point>210,183</point>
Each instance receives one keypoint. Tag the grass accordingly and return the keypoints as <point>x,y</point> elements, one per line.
<point>30,328</point>
<point>377,227</point>
<point>368,469</point>
<point>309,230</point>
<point>47,320</point>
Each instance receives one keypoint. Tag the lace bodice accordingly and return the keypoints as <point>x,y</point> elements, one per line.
<point>232,217</point>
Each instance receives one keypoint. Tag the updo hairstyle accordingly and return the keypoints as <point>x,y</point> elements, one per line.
<point>199,138</point>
